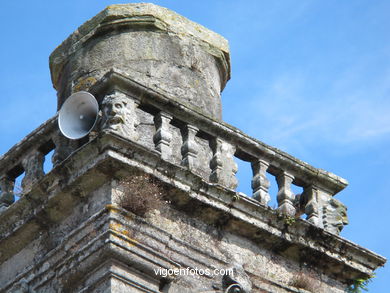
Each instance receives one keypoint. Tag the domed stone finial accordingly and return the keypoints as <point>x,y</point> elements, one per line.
<point>151,45</point>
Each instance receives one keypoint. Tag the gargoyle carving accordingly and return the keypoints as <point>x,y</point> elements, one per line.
<point>335,216</point>
<point>119,115</point>
<point>334,213</point>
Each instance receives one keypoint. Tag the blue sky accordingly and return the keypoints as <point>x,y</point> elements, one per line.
<point>309,77</point>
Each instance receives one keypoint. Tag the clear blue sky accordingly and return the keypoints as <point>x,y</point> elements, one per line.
<point>309,77</point>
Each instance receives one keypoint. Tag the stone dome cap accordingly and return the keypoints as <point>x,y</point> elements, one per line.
<point>154,46</point>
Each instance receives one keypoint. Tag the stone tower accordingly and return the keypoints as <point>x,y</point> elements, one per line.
<point>147,202</point>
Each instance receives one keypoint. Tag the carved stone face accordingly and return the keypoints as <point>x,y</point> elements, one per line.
<point>119,115</point>
<point>115,111</point>
<point>337,215</point>
<point>342,213</point>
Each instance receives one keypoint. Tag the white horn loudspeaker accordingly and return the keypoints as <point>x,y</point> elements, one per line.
<point>78,115</point>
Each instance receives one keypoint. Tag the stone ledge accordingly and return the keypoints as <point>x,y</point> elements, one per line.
<point>245,217</point>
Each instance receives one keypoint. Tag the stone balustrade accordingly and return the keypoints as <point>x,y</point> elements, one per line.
<point>204,146</point>
<point>27,157</point>
<point>207,147</point>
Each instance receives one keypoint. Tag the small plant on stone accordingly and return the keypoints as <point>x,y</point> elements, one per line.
<point>236,197</point>
<point>141,194</point>
<point>289,220</point>
<point>359,284</point>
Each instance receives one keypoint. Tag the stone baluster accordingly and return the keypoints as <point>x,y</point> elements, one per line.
<point>260,183</point>
<point>63,148</point>
<point>285,196</point>
<point>162,138</point>
<point>33,168</point>
<point>223,167</point>
<point>119,115</point>
<point>189,149</point>
<point>7,196</point>
<point>310,194</point>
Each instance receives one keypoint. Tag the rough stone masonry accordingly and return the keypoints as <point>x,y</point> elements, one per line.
<point>146,202</point>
